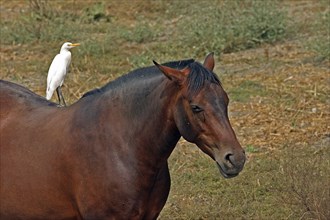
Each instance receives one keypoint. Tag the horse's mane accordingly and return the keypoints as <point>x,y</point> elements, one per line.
<point>196,79</point>
<point>198,76</point>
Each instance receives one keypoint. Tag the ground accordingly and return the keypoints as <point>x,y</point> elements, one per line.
<point>279,106</point>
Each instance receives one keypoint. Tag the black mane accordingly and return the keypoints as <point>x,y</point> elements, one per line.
<point>196,78</point>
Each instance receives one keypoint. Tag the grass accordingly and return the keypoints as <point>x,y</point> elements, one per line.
<point>272,58</point>
<point>181,31</point>
<point>246,90</point>
<point>305,177</point>
<point>226,28</point>
<point>279,186</point>
<point>236,25</point>
<point>320,43</point>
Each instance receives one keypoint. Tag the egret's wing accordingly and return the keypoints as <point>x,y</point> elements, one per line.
<point>53,69</point>
<point>68,62</point>
<point>57,71</point>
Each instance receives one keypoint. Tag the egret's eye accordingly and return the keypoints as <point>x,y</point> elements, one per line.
<point>196,108</point>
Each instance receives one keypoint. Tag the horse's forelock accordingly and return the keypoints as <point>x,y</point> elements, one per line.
<point>198,76</point>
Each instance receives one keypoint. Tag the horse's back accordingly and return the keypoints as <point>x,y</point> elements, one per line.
<point>12,94</point>
<point>16,101</point>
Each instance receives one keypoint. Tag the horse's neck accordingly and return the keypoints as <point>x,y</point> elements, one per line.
<point>140,114</point>
<point>147,113</point>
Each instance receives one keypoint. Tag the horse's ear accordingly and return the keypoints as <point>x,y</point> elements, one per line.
<point>173,74</point>
<point>209,61</point>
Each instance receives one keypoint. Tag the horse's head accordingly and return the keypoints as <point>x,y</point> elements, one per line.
<point>200,114</point>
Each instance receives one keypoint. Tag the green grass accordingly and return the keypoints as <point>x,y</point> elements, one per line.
<point>320,43</point>
<point>232,25</point>
<point>142,33</point>
<point>202,27</point>
<point>251,149</point>
<point>194,30</point>
<point>246,90</point>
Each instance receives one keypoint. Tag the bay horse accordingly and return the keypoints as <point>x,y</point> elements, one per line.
<point>105,156</point>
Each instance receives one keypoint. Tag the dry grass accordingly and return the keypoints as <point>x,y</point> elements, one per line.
<point>279,108</point>
<point>285,130</point>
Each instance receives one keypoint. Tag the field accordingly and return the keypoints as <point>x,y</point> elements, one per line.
<point>273,58</point>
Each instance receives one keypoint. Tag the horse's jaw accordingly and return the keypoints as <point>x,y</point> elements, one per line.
<point>224,174</point>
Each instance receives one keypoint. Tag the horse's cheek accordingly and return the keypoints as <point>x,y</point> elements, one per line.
<point>184,125</point>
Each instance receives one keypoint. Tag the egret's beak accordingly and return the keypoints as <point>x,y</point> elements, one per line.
<point>74,45</point>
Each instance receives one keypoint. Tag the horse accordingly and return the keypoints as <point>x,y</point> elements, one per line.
<point>106,155</point>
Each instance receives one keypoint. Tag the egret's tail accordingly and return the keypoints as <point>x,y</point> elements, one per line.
<point>49,93</point>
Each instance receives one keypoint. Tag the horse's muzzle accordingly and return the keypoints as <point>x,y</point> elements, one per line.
<point>231,164</point>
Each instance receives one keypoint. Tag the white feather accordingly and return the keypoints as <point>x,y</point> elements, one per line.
<point>58,69</point>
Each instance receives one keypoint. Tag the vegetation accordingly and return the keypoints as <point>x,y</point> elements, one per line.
<point>321,41</point>
<point>223,26</point>
<point>272,58</point>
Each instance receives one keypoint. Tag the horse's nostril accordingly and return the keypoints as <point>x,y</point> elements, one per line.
<point>234,161</point>
<point>229,159</point>
<point>227,156</point>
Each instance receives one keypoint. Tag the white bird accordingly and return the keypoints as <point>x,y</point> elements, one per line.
<point>57,71</point>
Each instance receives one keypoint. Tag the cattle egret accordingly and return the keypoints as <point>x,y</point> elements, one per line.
<point>57,71</point>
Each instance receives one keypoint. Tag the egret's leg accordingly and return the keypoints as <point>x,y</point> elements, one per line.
<point>60,96</point>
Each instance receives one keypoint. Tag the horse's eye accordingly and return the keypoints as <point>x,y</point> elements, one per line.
<point>196,108</point>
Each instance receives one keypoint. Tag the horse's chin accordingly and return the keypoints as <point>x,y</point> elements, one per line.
<point>224,174</point>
